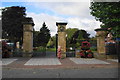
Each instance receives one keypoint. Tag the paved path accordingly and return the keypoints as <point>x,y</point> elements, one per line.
<point>7,61</point>
<point>43,61</point>
<point>57,63</point>
<point>50,59</point>
<point>88,61</point>
<point>59,68</point>
<point>115,60</point>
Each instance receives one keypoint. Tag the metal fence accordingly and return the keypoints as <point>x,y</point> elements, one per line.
<point>71,51</point>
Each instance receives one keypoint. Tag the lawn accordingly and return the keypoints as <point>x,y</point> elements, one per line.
<point>51,49</point>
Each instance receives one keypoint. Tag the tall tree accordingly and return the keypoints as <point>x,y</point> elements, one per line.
<point>35,38</point>
<point>78,36</point>
<point>109,14</point>
<point>70,32</point>
<point>50,43</point>
<point>53,41</point>
<point>12,18</point>
<point>44,35</point>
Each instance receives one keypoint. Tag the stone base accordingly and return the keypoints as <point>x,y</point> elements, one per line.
<point>100,56</point>
<point>95,55</point>
<point>112,56</point>
<point>77,55</point>
<point>63,56</point>
<point>27,55</point>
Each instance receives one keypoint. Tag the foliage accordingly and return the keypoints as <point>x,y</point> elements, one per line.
<point>109,14</point>
<point>70,32</point>
<point>54,40</point>
<point>43,36</point>
<point>35,38</point>
<point>40,49</point>
<point>51,49</point>
<point>12,18</point>
<point>93,49</point>
<point>50,43</point>
<point>78,36</point>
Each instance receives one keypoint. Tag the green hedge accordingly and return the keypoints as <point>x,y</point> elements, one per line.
<point>40,49</point>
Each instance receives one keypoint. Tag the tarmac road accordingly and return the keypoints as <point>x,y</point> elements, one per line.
<point>61,73</point>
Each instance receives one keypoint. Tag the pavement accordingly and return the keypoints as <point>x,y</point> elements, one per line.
<point>58,63</point>
<point>52,67</point>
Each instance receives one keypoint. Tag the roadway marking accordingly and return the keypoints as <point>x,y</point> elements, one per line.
<point>43,61</point>
<point>115,60</point>
<point>7,61</point>
<point>87,61</point>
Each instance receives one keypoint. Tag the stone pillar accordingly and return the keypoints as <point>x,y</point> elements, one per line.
<point>101,34</point>
<point>28,37</point>
<point>62,37</point>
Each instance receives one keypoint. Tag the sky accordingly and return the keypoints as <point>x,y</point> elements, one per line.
<point>76,14</point>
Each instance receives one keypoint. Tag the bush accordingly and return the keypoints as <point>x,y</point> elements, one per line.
<point>41,49</point>
<point>51,49</point>
<point>93,48</point>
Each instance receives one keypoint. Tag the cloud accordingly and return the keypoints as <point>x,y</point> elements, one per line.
<point>78,16</point>
<point>48,19</point>
<point>45,0</point>
<point>59,0</point>
<point>72,9</point>
<point>86,24</point>
<point>65,8</point>
<point>1,12</point>
<point>56,0</point>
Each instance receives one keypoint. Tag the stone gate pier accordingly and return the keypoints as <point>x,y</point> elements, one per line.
<point>62,37</point>
<point>28,37</point>
<point>101,34</point>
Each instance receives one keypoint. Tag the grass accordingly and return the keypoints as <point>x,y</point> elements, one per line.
<point>43,49</point>
<point>51,49</point>
<point>40,49</point>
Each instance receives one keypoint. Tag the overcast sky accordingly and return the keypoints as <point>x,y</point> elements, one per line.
<point>76,14</point>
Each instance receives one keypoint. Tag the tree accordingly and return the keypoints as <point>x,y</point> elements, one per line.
<point>109,14</point>
<point>70,32</point>
<point>50,43</point>
<point>53,41</point>
<point>12,18</point>
<point>43,36</point>
<point>35,38</point>
<point>78,36</point>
